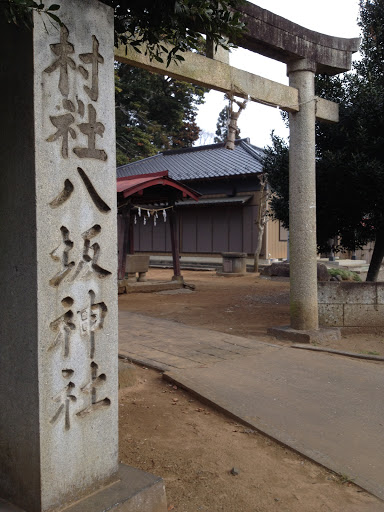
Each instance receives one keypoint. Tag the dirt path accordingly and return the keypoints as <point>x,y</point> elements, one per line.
<point>169,433</point>
<point>243,306</point>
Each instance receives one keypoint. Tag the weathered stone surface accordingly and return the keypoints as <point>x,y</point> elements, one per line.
<point>351,304</point>
<point>278,269</point>
<point>380,292</point>
<point>281,269</point>
<point>217,75</point>
<point>217,53</point>
<point>302,199</point>
<point>331,315</point>
<point>152,286</point>
<point>19,400</point>
<point>133,491</point>
<point>338,352</point>
<point>234,263</point>
<point>230,274</point>
<point>305,336</point>
<point>356,315</point>
<point>58,379</point>
<point>137,263</point>
<point>348,292</point>
<point>327,110</point>
<point>322,272</point>
<point>280,39</point>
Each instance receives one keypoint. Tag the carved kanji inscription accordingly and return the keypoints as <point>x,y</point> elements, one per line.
<point>91,319</point>
<point>94,59</point>
<point>87,266</point>
<point>90,130</point>
<point>65,399</point>
<point>63,50</point>
<point>61,254</point>
<point>93,389</point>
<point>63,327</point>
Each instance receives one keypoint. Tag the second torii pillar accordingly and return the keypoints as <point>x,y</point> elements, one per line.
<point>302,199</point>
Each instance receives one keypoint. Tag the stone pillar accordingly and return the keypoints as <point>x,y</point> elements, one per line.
<point>234,263</point>
<point>58,259</point>
<point>302,199</point>
<point>174,226</point>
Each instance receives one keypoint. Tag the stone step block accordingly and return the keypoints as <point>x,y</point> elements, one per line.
<point>133,491</point>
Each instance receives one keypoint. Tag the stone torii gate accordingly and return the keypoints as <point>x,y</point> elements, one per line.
<point>305,52</point>
<point>58,320</point>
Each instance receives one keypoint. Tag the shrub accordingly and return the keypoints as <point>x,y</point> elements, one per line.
<point>346,275</point>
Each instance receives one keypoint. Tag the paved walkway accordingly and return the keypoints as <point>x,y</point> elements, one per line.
<point>327,407</point>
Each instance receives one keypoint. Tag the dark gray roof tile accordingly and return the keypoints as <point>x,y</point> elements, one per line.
<point>200,162</point>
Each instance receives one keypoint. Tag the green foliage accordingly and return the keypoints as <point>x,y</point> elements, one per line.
<point>153,113</point>
<point>276,168</point>
<point>121,158</point>
<point>346,479</point>
<point>346,275</point>
<point>221,126</point>
<point>221,133</point>
<point>180,23</point>
<point>19,12</point>
<point>350,154</point>
<point>177,22</point>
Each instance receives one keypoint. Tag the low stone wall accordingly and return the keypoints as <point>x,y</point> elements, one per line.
<point>351,304</point>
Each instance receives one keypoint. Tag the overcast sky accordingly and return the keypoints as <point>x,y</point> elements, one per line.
<point>333,17</point>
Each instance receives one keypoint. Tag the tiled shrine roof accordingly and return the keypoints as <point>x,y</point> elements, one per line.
<point>212,161</point>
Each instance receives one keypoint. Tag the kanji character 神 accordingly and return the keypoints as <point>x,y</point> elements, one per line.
<point>91,320</point>
<point>63,327</point>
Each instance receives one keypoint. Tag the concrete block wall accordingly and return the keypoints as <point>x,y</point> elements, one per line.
<point>351,304</point>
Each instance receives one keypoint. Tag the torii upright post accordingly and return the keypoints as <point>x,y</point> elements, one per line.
<point>174,225</point>
<point>302,199</point>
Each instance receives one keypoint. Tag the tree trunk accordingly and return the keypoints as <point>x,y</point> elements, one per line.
<point>377,257</point>
<point>260,233</point>
<point>261,220</point>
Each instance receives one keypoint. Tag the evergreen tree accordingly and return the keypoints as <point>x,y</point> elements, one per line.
<point>153,113</point>
<point>350,154</point>
<point>222,126</point>
<point>152,22</point>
